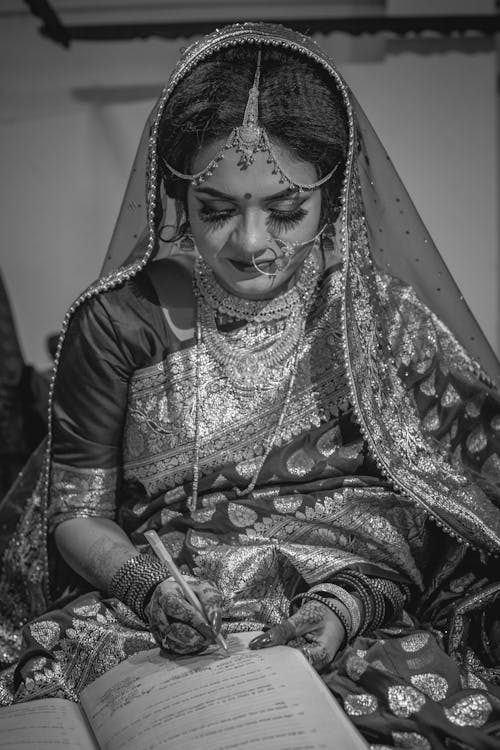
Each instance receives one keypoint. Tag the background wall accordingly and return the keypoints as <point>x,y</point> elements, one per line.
<point>71,119</point>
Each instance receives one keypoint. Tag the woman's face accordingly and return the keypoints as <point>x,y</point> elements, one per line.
<point>235,214</point>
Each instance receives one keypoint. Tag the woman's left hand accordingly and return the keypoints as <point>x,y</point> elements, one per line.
<point>315,623</point>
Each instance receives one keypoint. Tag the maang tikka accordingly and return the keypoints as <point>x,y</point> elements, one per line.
<point>248,139</point>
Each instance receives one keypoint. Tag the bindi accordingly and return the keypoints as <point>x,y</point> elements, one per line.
<point>247,196</point>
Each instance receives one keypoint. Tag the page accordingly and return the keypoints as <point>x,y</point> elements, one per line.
<point>45,724</point>
<point>270,699</point>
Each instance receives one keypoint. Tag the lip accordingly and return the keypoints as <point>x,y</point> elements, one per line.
<point>251,268</point>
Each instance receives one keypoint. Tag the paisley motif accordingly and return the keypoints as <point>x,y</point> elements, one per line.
<point>241,515</point>
<point>471,711</point>
<point>46,632</point>
<point>287,503</point>
<point>414,642</point>
<point>404,700</point>
<point>360,704</point>
<point>433,685</point>
<point>411,741</point>
<point>329,441</point>
<point>300,463</point>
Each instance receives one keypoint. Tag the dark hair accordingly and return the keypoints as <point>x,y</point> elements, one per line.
<point>299,106</point>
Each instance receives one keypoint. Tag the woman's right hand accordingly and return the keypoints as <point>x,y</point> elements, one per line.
<point>178,626</point>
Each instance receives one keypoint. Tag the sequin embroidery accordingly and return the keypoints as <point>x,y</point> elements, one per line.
<point>360,704</point>
<point>471,711</point>
<point>433,685</point>
<point>404,700</point>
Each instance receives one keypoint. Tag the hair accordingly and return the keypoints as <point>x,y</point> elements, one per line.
<point>299,107</point>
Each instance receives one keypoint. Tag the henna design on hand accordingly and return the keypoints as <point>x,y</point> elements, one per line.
<point>178,626</point>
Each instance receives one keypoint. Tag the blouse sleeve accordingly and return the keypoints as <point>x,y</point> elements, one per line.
<point>88,417</point>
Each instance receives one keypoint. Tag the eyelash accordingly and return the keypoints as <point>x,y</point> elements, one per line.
<point>277,220</point>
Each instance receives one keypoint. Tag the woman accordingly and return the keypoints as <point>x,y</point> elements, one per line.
<point>282,399</point>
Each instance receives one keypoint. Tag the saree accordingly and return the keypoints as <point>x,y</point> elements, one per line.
<point>385,463</point>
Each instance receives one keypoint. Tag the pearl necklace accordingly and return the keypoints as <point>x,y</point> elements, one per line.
<point>275,355</point>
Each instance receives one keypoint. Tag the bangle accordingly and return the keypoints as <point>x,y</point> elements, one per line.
<point>393,595</point>
<point>371,598</point>
<point>346,599</point>
<point>134,582</point>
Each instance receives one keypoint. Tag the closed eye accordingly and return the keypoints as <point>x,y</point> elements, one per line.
<point>277,219</point>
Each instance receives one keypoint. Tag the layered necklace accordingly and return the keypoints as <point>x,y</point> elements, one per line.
<point>261,352</point>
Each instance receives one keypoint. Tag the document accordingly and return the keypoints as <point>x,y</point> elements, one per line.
<point>270,699</point>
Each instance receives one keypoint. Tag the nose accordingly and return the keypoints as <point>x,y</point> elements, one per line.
<point>250,237</point>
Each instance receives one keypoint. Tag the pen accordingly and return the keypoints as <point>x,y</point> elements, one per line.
<point>164,555</point>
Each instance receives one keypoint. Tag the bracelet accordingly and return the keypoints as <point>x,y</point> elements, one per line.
<point>134,582</point>
<point>347,600</point>
<point>370,596</point>
<point>351,584</point>
<point>393,594</point>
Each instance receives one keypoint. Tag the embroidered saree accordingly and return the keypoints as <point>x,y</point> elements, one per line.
<point>387,463</point>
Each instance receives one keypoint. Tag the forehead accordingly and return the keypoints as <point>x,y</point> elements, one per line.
<point>258,178</point>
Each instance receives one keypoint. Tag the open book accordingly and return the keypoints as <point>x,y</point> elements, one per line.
<point>271,699</point>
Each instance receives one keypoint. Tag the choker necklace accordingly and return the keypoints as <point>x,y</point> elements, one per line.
<point>239,308</point>
<point>259,355</point>
<point>253,356</point>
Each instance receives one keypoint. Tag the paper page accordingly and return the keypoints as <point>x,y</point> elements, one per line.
<point>252,699</point>
<point>43,725</point>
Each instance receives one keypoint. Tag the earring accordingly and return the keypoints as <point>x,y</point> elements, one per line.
<point>181,239</point>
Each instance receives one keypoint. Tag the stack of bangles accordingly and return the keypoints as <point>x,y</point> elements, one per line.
<point>368,602</point>
<point>134,582</point>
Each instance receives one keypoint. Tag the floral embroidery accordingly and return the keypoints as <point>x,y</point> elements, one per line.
<point>81,493</point>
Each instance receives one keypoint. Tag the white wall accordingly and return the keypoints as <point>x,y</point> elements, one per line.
<point>66,153</point>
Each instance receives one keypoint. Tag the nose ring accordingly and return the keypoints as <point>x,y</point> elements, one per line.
<point>265,273</point>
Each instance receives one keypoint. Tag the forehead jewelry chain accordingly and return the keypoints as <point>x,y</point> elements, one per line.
<point>247,140</point>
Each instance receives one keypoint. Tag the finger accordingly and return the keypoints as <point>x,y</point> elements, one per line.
<point>182,639</point>
<point>176,636</point>
<point>316,654</point>
<point>275,636</point>
<point>170,587</point>
<point>308,619</point>
<point>211,601</point>
<point>178,609</point>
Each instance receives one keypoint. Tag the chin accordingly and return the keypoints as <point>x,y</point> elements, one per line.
<point>260,288</point>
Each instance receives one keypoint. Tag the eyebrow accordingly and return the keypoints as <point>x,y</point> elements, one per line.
<point>218,194</point>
